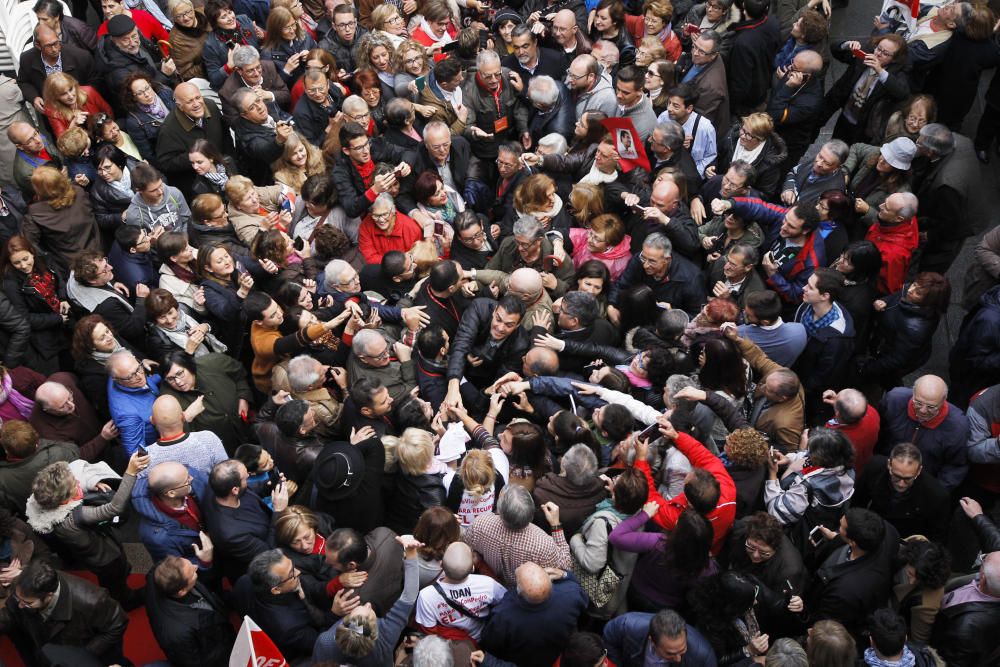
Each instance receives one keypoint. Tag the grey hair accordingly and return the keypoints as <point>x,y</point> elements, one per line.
<point>555,142</point>
<point>677,382</point>
<point>786,652</point>
<point>744,169</point>
<point>713,36</point>
<point>910,204</point>
<point>245,55</point>
<point>363,340</point>
<point>333,271</point>
<point>433,651</point>
<point>386,199</point>
<point>243,96</point>
<point>579,464</point>
<point>543,91</point>
<point>115,358</point>
<point>354,104</point>
<point>938,138</point>
<point>673,134</point>
<point>582,306</point>
<point>303,371</point>
<point>528,226</point>
<point>839,149</point>
<point>434,125</point>
<point>487,57</point>
<point>658,241</point>
<point>750,253</point>
<point>610,49</point>
<point>667,623</point>
<point>261,570</point>
<point>515,507</point>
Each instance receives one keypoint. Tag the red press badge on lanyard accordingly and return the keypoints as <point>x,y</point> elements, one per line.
<point>500,124</point>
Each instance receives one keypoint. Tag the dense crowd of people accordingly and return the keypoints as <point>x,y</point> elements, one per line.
<point>435,332</point>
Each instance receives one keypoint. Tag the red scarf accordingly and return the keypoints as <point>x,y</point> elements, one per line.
<point>188,516</point>
<point>319,546</point>
<point>367,171</point>
<point>495,94</point>
<point>45,284</point>
<point>930,423</point>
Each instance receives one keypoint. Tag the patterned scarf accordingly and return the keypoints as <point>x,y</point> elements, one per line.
<point>45,285</point>
<point>157,109</point>
<point>219,177</point>
<point>813,325</point>
<point>906,660</point>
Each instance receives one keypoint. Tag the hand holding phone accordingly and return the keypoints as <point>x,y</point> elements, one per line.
<point>651,432</point>
<point>859,54</point>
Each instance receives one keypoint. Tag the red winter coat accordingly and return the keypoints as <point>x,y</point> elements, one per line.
<point>896,243</point>
<point>722,516</point>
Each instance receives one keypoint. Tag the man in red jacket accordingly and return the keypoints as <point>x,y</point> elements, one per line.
<point>708,488</point>
<point>895,235</point>
<point>858,420</point>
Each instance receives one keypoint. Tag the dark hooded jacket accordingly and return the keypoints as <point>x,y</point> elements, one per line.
<point>975,357</point>
<point>901,340</point>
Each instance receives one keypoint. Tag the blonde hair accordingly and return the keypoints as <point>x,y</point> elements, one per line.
<point>655,47</point>
<point>356,635</point>
<point>400,54</point>
<point>425,255</point>
<point>55,86</point>
<point>237,188</point>
<point>391,445</point>
<point>415,451</point>
<point>292,176</point>
<point>73,142</point>
<point>50,185</point>
<point>291,521</point>
<point>587,200</point>
<point>175,7</point>
<point>53,485</point>
<point>380,16</point>
<point>477,472</point>
<point>760,124</point>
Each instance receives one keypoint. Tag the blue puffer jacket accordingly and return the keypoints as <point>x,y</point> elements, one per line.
<point>130,409</point>
<point>161,535</point>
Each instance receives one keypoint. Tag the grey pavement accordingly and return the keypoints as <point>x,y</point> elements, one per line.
<point>855,22</point>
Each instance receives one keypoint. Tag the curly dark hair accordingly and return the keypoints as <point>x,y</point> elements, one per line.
<point>930,561</point>
<point>718,601</point>
<point>127,98</point>
<point>764,527</point>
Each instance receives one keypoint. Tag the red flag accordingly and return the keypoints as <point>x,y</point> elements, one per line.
<point>631,152</point>
<point>253,648</point>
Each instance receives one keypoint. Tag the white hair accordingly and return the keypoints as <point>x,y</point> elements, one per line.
<point>543,91</point>
<point>555,143</point>
<point>355,105</point>
<point>335,268</point>
<point>303,371</point>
